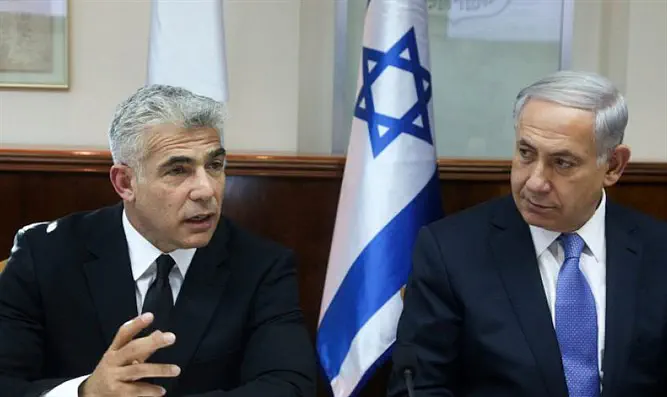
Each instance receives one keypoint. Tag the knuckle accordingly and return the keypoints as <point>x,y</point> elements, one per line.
<point>109,355</point>
<point>152,370</point>
<point>132,350</point>
<point>112,375</point>
<point>157,337</point>
<point>143,371</point>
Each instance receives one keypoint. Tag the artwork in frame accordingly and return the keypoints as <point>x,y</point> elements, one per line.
<point>34,44</point>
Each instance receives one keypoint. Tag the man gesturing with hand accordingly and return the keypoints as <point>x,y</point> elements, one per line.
<point>230,297</point>
<point>123,366</point>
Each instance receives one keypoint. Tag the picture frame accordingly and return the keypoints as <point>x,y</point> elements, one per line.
<point>34,44</point>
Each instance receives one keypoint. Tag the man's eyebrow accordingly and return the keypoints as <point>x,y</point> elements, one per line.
<point>176,160</point>
<point>523,142</point>
<point>560,153</point>
<point>217,153</point>
<point>563,153</point>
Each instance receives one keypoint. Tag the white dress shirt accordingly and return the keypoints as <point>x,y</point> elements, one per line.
<point>144,270</point>
<point>550,258</point>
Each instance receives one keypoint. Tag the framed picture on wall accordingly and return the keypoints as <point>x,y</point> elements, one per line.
<point>34,44</point>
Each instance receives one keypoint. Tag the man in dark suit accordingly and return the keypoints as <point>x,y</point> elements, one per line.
<point>554,291</point>
<point>220,306</point>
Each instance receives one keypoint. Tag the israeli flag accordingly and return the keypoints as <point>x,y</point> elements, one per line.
<point>390,190</point>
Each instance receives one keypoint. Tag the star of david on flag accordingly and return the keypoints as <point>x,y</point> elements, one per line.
<point>383,71</point>
<point>390,190</point>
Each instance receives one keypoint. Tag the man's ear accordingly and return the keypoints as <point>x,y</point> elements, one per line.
<point>618,160</point>
<point>122,178</point>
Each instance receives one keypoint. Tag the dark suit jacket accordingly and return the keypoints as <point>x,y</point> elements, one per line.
<point>68,287</point>
<point>476,320</point>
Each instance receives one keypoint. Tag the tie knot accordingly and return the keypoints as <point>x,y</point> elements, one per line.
<point>573,245</point>
<point>164,265</point>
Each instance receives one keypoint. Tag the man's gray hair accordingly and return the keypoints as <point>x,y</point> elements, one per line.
<point>154,105</point>
<point>586,91</point>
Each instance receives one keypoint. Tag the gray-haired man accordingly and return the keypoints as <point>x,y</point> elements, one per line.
<point>554,290</point>
<point>220,306</point>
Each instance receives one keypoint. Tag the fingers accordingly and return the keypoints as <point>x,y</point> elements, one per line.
<point>115,376</point>
<point>130,329</point>
<point>135,372</point>
<point>140,349</point>
<point>144,390</point>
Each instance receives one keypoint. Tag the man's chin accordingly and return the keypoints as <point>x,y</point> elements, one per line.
<point>547,223</point>
<point>537,220</point>
<point>197,241</point>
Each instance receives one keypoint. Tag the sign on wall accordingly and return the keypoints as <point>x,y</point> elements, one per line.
<point>34,44</point>
<point>501,20</point>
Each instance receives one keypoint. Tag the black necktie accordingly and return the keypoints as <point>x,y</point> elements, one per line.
<point>159,299</point>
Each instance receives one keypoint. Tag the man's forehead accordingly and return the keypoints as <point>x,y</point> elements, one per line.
<point>189,143</point>
<point>558,118</point>
<point>567,147</point>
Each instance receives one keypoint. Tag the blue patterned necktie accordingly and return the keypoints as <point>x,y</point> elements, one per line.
<point>576,323</point>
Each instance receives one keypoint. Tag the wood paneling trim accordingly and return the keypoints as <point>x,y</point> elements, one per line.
<point>99,161</point>
<point>271,165</point>
<point>495,170</point>
<point>96,161</point>
<point>55,160</point>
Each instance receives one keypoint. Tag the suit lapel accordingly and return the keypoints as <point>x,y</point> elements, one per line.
<point>197,301</point>
<point>517,263</point>
<point>109,275</point>
<point>623,260</point>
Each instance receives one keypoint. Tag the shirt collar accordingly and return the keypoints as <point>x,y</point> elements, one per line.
<point>142,253</point>
<point>592,232</point>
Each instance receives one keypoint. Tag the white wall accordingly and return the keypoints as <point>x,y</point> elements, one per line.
<point>280,59</point>
<point>646,79</point>
<point>263,61</point>
<point>108,42</point>
<point>316,76</point>
<point>627,41</point>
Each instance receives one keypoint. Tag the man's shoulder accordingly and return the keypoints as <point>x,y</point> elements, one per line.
<point>473,220</point>
<point>73,225</point>
<point>647,225</point>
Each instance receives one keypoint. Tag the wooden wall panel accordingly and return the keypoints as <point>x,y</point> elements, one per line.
<point>289,199</point>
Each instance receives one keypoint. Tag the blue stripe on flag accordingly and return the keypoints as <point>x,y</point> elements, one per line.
<point>377,274</point>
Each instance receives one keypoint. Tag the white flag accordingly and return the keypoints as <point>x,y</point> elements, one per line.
<point>187,46</point>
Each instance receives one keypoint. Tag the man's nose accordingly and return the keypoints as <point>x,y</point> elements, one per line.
<point>203,186</point>
<point>538,181</point>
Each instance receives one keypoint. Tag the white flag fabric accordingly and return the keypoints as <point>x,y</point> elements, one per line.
<point>187,46</point>
<point>390,190</point>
